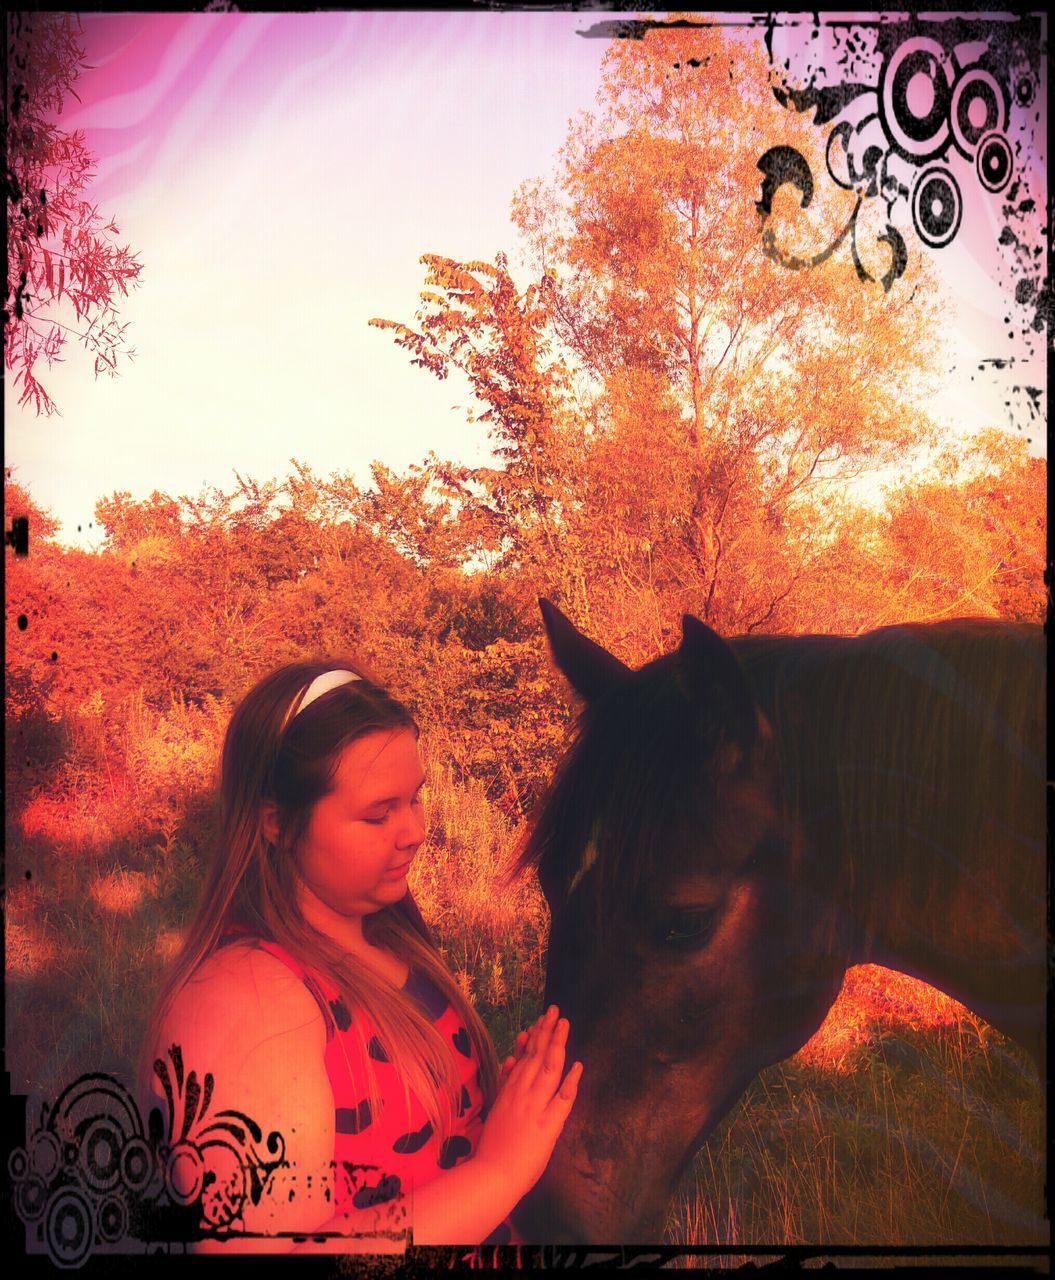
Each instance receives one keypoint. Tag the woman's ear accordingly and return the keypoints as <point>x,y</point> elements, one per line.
<point>269,823</point>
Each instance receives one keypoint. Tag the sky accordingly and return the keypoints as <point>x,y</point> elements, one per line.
<point>279,176</point>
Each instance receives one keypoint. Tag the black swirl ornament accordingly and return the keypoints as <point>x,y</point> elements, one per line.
<point>92,1177</point>
<point>920,98</point>
<point>785,164</point>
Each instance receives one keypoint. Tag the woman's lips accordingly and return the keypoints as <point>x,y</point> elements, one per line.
<point>397,873</point>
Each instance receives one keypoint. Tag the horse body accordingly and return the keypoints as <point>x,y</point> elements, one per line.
<point>913,762</point>
<point>736,824</point>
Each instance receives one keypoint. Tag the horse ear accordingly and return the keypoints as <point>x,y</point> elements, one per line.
<point>590,670</point>
<point>715,673</point>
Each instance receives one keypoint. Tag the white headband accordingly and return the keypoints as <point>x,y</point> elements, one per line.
<point>323,684</point>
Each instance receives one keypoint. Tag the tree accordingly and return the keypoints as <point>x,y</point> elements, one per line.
<point>127,521</point>
<point>514,516</point>
<point>18,503</point>
<point>669,405</point>
<point>964,537</point>
<point>58,246</point>
<point>969,537</point>
<point>786,382</point>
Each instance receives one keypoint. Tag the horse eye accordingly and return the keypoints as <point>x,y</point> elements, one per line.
<point>685,930</point>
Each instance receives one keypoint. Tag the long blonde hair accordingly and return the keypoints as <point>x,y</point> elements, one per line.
<point>270,753</point>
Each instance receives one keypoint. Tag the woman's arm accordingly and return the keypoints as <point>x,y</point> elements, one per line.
<point>250,1022</point>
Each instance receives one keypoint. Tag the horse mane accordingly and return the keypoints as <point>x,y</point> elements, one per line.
<point>897,747</point>
<point>871,731</point>
<point>641,775</point>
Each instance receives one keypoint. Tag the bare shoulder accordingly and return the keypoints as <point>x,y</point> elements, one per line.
<point>242,1003</point>
<point>248,1022</point>
<point>240,984</point>
<point>247,970</point>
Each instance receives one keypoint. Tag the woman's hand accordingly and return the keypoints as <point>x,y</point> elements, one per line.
<point>531,1105</point>
<point>519,1045</point>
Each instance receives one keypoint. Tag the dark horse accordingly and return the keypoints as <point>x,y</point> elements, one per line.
<point>736,824</point>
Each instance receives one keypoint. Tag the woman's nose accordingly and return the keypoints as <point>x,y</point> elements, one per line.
<point>412,832</point>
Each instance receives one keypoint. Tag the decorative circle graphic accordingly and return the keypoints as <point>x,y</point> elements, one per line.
<point>31,1198</point>
<point>185,1173</point>
<point>977,109</point>
<point>918,69</point>
<point>46,1153</point>
<point>17,1164</point>
<point>995,162</point>
<point>68,1228</point>
<point>937,207</point>
<point>1024,91</point>
<point>137,1164</point>
<point>100,1156</point>
<point>90,1175</point>
<point>113,1219</point>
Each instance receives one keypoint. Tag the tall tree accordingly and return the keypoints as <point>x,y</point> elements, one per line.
<point>668,403</point>
<point>59,248</point>
<point>515,516</point>
<point>784,381</point>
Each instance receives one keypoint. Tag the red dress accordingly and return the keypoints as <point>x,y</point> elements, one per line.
<point>380,1155</point>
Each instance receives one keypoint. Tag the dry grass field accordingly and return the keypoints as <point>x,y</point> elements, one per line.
<point>905,1120</point>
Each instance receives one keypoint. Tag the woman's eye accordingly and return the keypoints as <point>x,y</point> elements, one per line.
<point>376,822</point>
<point>685,930</point>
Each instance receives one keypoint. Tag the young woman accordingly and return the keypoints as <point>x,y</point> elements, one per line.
<point>309,989</point>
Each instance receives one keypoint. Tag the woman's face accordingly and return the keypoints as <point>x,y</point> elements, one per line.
<point>361,838</point>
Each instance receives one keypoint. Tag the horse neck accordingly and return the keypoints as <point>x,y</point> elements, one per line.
<point>913,765</point>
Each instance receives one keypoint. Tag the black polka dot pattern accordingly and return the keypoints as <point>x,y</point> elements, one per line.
<point>387,1189</point>
<point>425,993</point>
<point>354,1119</point>
<point>392,1143</point>
<point>408,1143</point>
<point>341,1016</point>
<point>453,1150</point>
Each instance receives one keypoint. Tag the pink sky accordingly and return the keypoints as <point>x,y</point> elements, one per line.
<point>281,174</point>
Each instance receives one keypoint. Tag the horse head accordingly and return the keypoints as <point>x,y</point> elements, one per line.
<point>689,945</point>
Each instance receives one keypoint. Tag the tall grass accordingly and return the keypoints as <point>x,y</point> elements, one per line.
<point>905,1120</point>
<point>491,930</point>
